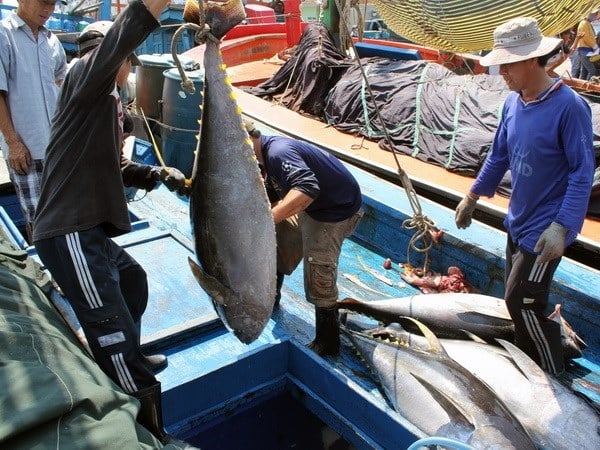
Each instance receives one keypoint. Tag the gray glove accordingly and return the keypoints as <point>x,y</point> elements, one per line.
<point>551,243</point>
<point>464,211</point>
<point>172,178</point>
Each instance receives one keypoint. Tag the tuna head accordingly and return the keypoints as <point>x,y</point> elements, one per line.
<point>233,228</point>
<point>439,396</point>
<point>240,314</point>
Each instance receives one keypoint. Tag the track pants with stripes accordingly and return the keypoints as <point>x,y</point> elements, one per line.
<point>527,286</point>
<point>108,291</point>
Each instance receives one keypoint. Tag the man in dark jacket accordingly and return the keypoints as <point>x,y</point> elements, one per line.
<point>82,206</point>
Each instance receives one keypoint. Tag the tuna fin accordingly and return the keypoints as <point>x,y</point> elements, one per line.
<point>447,403</point>
<point>220,16</point>
<point>525,364</point>
<point>210,284</point>
<point>435,346</point>
<point>473,337</point>
<point>191,12</point>
<point>485,312</point>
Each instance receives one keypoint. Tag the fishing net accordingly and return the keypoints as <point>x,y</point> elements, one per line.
<point>468,25</point>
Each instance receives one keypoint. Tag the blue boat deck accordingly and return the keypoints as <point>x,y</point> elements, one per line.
<point>212,376</point>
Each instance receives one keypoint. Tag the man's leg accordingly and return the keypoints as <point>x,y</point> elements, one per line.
<point>322,243</point>
<point>28,188</point>
<point>84,265</point>
<point>134,288</point>
<point>526,295</point>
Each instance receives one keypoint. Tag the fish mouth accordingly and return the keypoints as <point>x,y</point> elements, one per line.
<point>392,334</point>
<point>243,324</point>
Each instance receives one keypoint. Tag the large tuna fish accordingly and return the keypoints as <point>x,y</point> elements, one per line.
<point>439,396</point>
<point>231,217</point>
<point>553,415</point>
<point>450,314</point>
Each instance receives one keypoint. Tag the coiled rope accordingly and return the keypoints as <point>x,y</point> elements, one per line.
<point>423,238</point>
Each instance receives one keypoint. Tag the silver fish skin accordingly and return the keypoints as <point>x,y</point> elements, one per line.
<point>439,396</point>
<point>554,416</point>
<point>233,228</point>
<point>448,314</point>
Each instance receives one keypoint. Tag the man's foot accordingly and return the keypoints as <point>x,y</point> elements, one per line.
<point>156,363</point>
<point>321,348</point>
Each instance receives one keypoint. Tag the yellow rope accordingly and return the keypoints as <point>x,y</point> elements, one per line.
<point>468,25</point>
<point>151,134</point>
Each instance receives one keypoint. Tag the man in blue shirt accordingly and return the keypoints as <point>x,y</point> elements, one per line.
<point>545,138</point>
<point>33,65</point>
<point>316,205</point>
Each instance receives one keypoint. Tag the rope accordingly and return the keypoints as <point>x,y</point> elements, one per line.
<point>422,240</point>
<point>154,145</point>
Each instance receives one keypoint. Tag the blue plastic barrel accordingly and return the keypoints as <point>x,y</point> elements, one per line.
<point>149,80</point>
<point>180,115</point>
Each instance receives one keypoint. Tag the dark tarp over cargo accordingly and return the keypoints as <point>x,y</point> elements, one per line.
<point>52,393</point>
<point>429,112</point>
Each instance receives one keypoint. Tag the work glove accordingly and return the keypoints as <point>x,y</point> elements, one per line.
<point>464,211</point>
<point>172,178</point>
<point>551,244</point>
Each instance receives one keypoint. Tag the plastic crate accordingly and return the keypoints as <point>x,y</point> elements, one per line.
<point>159,41</point>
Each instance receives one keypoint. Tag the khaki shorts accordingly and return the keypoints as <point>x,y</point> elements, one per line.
<point>320,244</point>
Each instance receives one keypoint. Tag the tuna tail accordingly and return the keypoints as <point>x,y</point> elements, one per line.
<point>571,342</point>
<point>220,17</point>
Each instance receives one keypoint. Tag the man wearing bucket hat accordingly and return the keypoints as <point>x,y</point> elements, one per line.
<point>82,206</point>
<point>33,64</point>
<point>545,138</point>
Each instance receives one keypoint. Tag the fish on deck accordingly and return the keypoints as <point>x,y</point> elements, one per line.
<point>456,315</point>
<point>554,416</point>
<point>231,216</point>
<point>439,396</point>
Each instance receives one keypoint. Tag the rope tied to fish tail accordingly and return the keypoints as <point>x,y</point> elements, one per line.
<point>201,35</point>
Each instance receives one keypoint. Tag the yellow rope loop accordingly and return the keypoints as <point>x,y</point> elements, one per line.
<point>422,240</point>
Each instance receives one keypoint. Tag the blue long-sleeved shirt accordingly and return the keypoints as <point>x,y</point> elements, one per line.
<point>548,146</point>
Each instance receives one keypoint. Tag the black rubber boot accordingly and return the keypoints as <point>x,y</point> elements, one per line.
<point>327,330</point>
<point>280,277</point>
<point>150,416</point>
<point>154,363</point>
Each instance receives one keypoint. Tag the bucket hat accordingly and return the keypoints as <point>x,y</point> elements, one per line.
<point>92,35</point>
<point>517,40</point>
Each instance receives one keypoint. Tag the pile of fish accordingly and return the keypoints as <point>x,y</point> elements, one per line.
<point>460,386</point>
